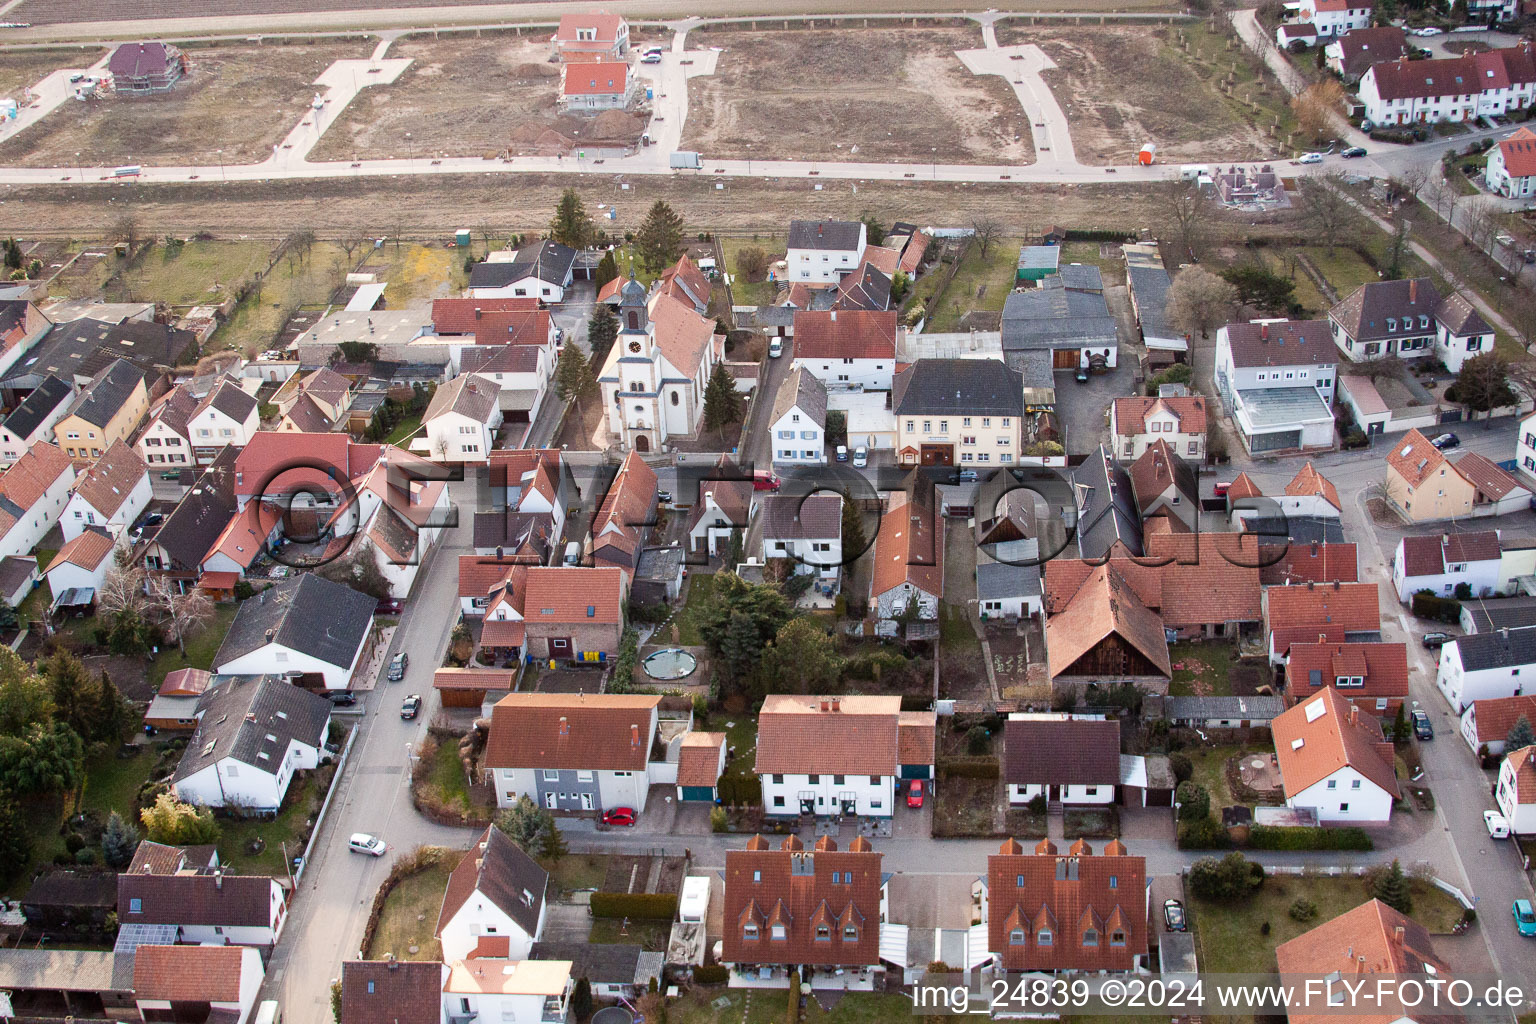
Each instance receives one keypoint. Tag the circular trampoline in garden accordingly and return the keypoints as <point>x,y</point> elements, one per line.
<point>613,1015</point>
<point>670,663</point>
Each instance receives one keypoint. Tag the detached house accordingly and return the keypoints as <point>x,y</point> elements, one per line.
<point>204,906</point>
<point>572,752</point>
<point>540,270</point>
<point>808,531</point>
<point>1335,17</point>
<point>166,440</point>
<point>462,420</point>
<point>253,733</point>
<point>1481,666</point>
<point>1317,613</point>
<point>82,563</point>
<point>1063,758</point>
<point>1511,167</point>
<point>594,35</point>
<point>109,495</point>
<point>141,68</point>
<point>1350,54</point>
<point>1135,423</point>
<point>847,349</point>
<point>1276,378</point>
<point>908,573</point>
<point>496,895</point>
<point>32,421</point>
<point>1440,563</point>
<point>596,85</point>
<point>1335,761</point>
<point>227,415</point>
<point>169,979</point>
<point>106,410</point>
<point>818,912</point>
<point>822,251</point>
<point>574,614</point>
<point>799,421</point>
<point>1373,677</point>
<point>1515,792</point>
<point>1408,319</point>
<point>1486,723</point>
<point>723,507</point>
<point>958,411</point>
<point>1423,485</point>
<point>33,492</point>
<point>1077,911</point>
<point>833,756</point>
<point>304,626</point>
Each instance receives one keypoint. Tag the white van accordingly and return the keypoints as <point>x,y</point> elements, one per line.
<point>267,1012</point>
<point>573,553</point>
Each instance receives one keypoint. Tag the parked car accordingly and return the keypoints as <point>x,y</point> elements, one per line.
<point>411,707</point>
<point>762,480</point>
<point>775,348</point>
<point>1222,488</point>
<point>1173,915</point>
<point>388,606</point>
<point>1445,442</point>
<point>171,474</point>
<point>342,698</point>
<point>1427,30</point>
<point>652,55</point>
<point>1353,152</point>
<point>1434,641</point>
<point>842,453</point>
<point>1422,727</point>
<point>397,666</point>
<point>860,457</point>
<point>1081,376</point>
<point>1496,824</point>
<point>620,816</point>
<point>1525,918</point>
<point>664,497</point>
<point>966,476</point>
<point>915,793</point>
<point>1311,158</point>
<point>362,842</point>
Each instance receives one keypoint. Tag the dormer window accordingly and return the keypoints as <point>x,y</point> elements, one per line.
<point>851,933</point>
<point>1090,937</point>
<point>1117,938</point>
<point>778,933</point>
<point>1043,937</point>
<point>1016,937</point>
<point>1391,325</point>
<point>749,932</point>
<point>823,933</point>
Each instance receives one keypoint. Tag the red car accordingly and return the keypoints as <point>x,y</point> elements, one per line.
<point>620,816</point>
<point>915,794</point>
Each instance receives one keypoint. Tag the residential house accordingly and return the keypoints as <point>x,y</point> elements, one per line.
<point>488,985</point>
<point>78,350</point>
<point>32,421</point>
<point>322,396</point>
<point>138,68</point>
<point>461,316</point>
<point>177,548</point>
<point>1148,282</point>
<point>227,415</point>
<point>183,980</point>
<point>685,281</point>
<point>829,756</point>
<point>1370,941</point>
<point>166,440</point>
<point>594,35</point>
<point>1525,450</point>
<point>1486,723</point>
<point>106,410</point>
<point>110,494</point>
<point>590,86</point>
<point>174,706</point>
<point>1429,91</point>
<point>1079,911</point>
<point>22,326</point>
<point>572,752</point>
<point>1334,761</point>
<point>1335,17</point>
<point>1071,323</point>
<point>1288,562</point>
<point>814,912</point>
<point>253,733</point>
<point>625,515</point>
<point>462,420</point>
<point>1275,378</point>
<point>204,906</point>
<point>1423,485</point>
<point>1460,332</point>
<point>33,492</point>
<point>1009,587</point>
<point>1373,677</point>
<point>18,577</point>
<point>723,507</point>
<point>1442,562</point>
<point>304,626</point>
<point>868,287</point>
<point>654,377</point>
<point>613,970</point>
<point>806,530</point>
<point>1511,167</point>
<point>542,270</point>
<point>799,421</point>
<point>1481,666</point>
<point>1498,491</point>
<point>1107,520</point>
<point>1106,633</point>
<point>822,251</point>
<point>700,763</point>
<point>1515,792</point>
<point>574,614</point>
<point>1063,758</point>
<point>533,481</point>
<point>1135,423</point>
<point>1166,488</point>
<point>392,992</point>
<point>958,411</point>
<point>1309,494</point>
<point>847,349</point>
<point>907,580</point>
<point>82,563</point>
<point>521,371</point>
<point>1350,54</point>
<point>1331,612</point>
<point>497,892</point>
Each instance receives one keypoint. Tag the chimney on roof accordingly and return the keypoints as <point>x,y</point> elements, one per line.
<point>634,735</point>
<point>218,879</point>
<point>1397,935</point>
<point>394,965</point>
<point>824,706</point>
<point>270,634</point>
<point>1309,584</point>
<point>835,704</point>
<point>1354,714</point>
<point>565,726</point>
<point>819,228</point>
<point>1413,290</point>
<point>1504,633</point>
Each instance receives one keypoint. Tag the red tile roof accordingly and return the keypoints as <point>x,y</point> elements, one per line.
<point>590,732</point>
<point>1494,717</point>
<point>1519,152</point>
<point>1522,763</point>
<point>605,25</point>
<point>1324,733</point>
<point>909,548</point>
<point>1493,482</point>
<point>596,78</point>
<point>1371,940</point>
<point>1131,413</point>
<point>1093,907</point>
<point>391,992</point>
<point>514,327</point>
<point>473,679</point>
<point>1454,76</point>
<point>479,574</point>
<point>185,682</point>
<point>1243,487</point>
<point>698,759</point>
<point>1104,606</point>
<point>1429,554</point>
<point>574,595</point>
<point>845,334</point>
<point>460,316</point>
<point>853,735</point>
<point>196,974</point>
<point>284,462</point>
<point>916,734</point>
<point>1308,563</point>
<point>88,551</point>
<point>29,477</point>
<point>1414,458</point>
<point>1384,668</point>
<point>1302,613</point>
<point>792,889</point>
<point>1309,482</point>
<point>1189,579</point>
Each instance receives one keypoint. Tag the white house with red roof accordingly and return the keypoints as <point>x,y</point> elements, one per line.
<point>590,86</point>
<point>462,420</point>
<point>908,574</point>
<point>82,562</point>
<point>595,35</point>
<point>1335,17</point>
<point>846,349</point>
<point>1490,83</point>
<point>1335,761</point>
<point>1515,792</point>
<point>33,492</point>
<point>1511,167</point>
<point>1440,562</point>
<point>1177,419</point>
<point>109,495</point>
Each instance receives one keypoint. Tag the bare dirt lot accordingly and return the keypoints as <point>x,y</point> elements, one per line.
<point>1124,86</point>
<point>20,69</point>
<point>241,99</point>
<point>465,96</point>
<point>875,94</point>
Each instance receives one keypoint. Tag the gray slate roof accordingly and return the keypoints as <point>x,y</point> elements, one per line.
<point>82,348</point>
<point>1276,530</point>
<point>1083,277</point>
<point>203,512</point>
<point>978,387</point>
<point>1150,287</point>
<point>997,581</point>
<point>546,260</point>
<point>1509,648</point>
<point>510,879</point>
<point>468,395</point>
<point>1186,708</point>
<point>70,970</point>
<point>253,719</point>
<point>325,620</point>
<point>1106,507</point>
<point>1061,752</point>
<point>802,388</point>
<point>791,517</point>
<point>1039,257</point>
<point>105,395</point>
<point>231,400</point>
<point>824,234</point>
<point>44,399</point>
<point>1509,613</point>
<point>603,963</point>
<point>1053,316</point>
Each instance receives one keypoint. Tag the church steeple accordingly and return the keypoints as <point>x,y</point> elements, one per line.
<point>633,317</point>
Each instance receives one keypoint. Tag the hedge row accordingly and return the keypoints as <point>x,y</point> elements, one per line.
<point>969,767</point>
<point>711,974</point>
<point>1432,606</point>
<point>1095,235</point>
<point>650,906</point>
<point>1274,837</point>
<point>739,790</point>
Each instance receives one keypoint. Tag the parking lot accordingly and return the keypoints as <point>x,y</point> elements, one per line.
<point>1084,408</point>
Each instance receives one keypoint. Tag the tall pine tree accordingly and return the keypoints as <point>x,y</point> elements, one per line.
<point>602,328</point>
<point>1520,735</point>
<point>1391,887</point>
<point>660,238</point>
<point>573,374</point>
<point>722,405</point>
<point>607,269</point>
<point>571,226</point>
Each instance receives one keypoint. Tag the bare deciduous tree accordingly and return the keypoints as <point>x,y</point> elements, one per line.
<point>1480,221</point>
<point>1521,315</point>
<point>1317,107</point>
<point>1185,211</point>
<point>1199,301</point>
<point>1397,248</point>
<point>987,229</point>
<point>126,230</point>
<point>183,613</point>
<point>1439,195</point>
<point>123,587</point>
<point>1326,207</point>
<point>1407,183</point>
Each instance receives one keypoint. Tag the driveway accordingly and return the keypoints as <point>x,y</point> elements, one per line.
<point>1084,408</point>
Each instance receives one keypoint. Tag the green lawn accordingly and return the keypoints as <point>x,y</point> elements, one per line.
<point>981,283</point>
<point>649,935</point>
<point>713,1005</point>
<point>404,429</point>
<point>745,293</point>
<point>740,735</point>
<point>417,896</point>
<point>235,837</point>
<point>450,789</point>
<point>299,283</point>
<point>201,647</point>
<point>1210,772</point>
<point>862,1008</point>
<point>197,273</point>
<point>1205,672</point>
<point>701,590</point>
<point>1209,50</point>
<point>1229,936</point>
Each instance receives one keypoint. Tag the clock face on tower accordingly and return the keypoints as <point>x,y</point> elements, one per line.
<point>634,346</point>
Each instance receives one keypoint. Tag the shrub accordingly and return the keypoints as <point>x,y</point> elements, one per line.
<point>740,789</point>
<point>74,842</point>
<point>1181,767</point>
<point>1230,878</point>
<point>1277,837</point>
<point>1303,910</point>
<point>969,767</point>
<point>711,974</point>
<point>85,856</point>
<point>1038,804</point>
<point>978,739</point>
<point>1203,834</point>
<point>1427,605</point>
<point>1194,801</point>
<point>718,822</point>
<point>650,906</point>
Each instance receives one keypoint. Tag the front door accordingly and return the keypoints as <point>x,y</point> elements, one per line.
<point>550,799</point>
<point>586,801</point>
<point>642,443</point>
<point>559,647</point>
<point>938,455</point>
